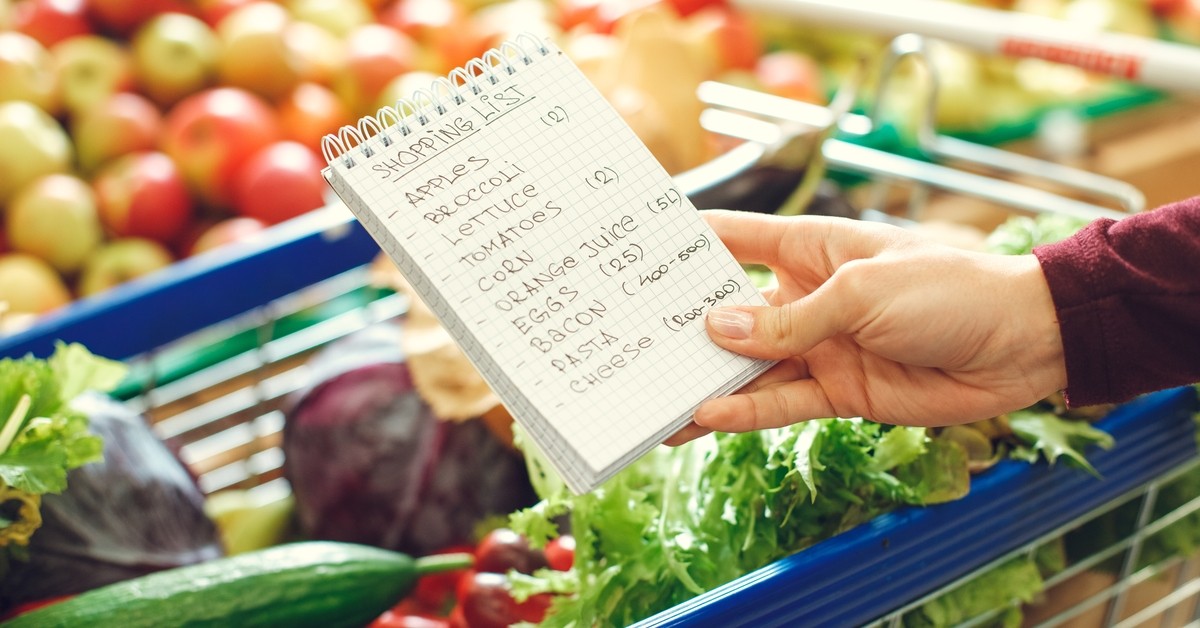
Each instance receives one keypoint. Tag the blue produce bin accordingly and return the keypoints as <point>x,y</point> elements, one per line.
<point>847,580</point>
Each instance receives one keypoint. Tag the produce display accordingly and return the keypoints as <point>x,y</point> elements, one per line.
<point>136,134</point>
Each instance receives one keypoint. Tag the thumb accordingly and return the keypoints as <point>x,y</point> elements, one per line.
<point>773,333</point>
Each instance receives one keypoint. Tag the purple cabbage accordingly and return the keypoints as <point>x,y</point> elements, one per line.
<point>369,462</point>
<point>137,511</point>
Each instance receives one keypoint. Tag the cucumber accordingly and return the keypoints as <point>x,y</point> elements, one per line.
<point>308,583</point>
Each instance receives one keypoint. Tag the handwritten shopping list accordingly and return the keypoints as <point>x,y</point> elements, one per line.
<point>561,256</point>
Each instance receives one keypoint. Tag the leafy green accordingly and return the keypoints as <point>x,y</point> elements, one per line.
<point>42,437</point>
<point>1018,580</point>
<point>681,521</point>
<point>1046,434</point>
<point>1020,234</point>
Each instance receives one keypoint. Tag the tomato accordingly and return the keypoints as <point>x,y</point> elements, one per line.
<point>503,549</point>
<point>391,619</point>
<point>437,591</point>
<point>456,619</point>
<point>560,552</point>
<point>25,607</point>
<point>487,603</point>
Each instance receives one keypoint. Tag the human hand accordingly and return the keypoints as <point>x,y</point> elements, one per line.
<point>874,321</point>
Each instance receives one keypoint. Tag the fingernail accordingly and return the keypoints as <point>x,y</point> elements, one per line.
<point>731,323</point>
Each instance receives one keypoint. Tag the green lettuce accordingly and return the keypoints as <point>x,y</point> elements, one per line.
<point>681,521</point>
<point>41,436</point>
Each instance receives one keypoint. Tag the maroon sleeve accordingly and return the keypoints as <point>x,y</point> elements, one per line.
<point>1127,294</point>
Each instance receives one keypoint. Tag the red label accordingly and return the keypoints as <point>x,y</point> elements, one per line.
<point>1114,64</point>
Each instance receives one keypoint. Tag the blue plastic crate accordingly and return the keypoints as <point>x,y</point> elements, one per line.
<point>849,579</point>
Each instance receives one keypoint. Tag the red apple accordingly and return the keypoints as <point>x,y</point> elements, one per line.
<point>143,195</point>
<point>213,11</point>
<point>443,26</point>
<point>1184,21</point>
<point>310,112</point>
<point>598,16</point>
<point>174,55</point>
<point>279,182</point>
<point>688,7</point>
<point>51,21</point>
<point>211,135</point>
<point>737,42</point>
<point>32,144</point>
<point>90,69</point>
<point>123,17</point>
<point>125,123</point>
<point>224,232</point>
<point>27,71</point>
<point>1165,7</point>
<point>573,13</point>
<point>119,261</point>
<point>375,54</point>
<point>791,74</point>
<point>29,285</point>
<point>55,218</point>
<point>254,52</point>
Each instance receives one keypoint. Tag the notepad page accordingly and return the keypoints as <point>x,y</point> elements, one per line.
<point>559,254</point>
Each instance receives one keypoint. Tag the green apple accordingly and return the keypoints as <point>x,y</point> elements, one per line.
<point>125,123</point>
<point>255,54</point>
<point>90,69</point>
<point>119,261</point>
<point>339,17</point>
<point>30,286</point>
<point>1122,16</point>
<point>32,144</point>
<point>174,55</point>
<point>1045,8</point>
<point>27,71</point>
<point>56,219</point>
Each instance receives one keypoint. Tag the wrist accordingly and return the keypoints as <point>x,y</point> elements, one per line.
<point>1044,357</point>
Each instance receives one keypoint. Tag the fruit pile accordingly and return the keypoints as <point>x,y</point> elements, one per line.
<point>133,134</point>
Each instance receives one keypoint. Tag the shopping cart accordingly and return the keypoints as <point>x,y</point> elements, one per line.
<point>217,342</point>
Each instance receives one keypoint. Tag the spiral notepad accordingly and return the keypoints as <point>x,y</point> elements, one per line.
<point>553,248</point>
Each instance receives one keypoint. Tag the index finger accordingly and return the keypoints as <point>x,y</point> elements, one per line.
<point>752,238</point>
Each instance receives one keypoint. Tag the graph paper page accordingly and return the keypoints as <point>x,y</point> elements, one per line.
<point>559,254</point>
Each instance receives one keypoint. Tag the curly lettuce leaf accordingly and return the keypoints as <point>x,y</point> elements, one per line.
<point>42,437</point>
<point>1045,434</point>
<point>684,520</point>
<point>1020,234</point>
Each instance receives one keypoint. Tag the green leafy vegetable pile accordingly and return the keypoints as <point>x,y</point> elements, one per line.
<point>41,436</point>
<point>682,521</point>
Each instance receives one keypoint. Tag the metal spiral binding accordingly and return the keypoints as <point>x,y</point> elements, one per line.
<point>425,104</point>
